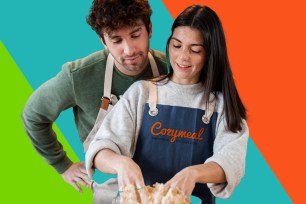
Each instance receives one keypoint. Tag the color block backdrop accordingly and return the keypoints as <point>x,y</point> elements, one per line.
<point>265,41</point>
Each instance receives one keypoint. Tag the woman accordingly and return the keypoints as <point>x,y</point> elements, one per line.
<point>188,129</point>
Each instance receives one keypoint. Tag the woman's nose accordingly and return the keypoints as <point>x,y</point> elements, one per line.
<point>184,55</point>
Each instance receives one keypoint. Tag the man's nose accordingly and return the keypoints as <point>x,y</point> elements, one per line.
<point>129,48</point>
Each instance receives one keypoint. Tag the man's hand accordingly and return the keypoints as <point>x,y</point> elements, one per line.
<point>77,174</point>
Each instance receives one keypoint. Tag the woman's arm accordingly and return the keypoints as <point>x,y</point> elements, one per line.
<point>223,171</point>
<point>114,144</point>
<point>230,154</point>
<point>186,179</point>
<point>127,170</point>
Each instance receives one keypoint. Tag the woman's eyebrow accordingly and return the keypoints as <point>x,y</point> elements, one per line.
<point>193,44</point>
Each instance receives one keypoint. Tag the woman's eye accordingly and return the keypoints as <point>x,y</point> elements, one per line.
<point>196,51</point>
<point>176,46</point>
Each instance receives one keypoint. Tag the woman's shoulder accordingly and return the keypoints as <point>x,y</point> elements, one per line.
<point>141,85</point>
<point>137,89</point>
<point>219,102</point>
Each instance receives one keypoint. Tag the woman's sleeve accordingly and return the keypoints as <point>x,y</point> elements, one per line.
<point>230,153</point>
<point>117,131</point>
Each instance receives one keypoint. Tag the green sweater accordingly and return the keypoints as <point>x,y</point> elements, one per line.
<point>79,85</point>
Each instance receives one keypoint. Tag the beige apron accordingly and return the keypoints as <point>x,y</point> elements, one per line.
<point>105,192</point>
<point>108,99</point>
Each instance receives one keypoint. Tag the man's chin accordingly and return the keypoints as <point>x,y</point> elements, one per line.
<point>132,68</point>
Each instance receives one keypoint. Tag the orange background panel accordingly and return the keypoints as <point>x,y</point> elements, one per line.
<point>266,43</point>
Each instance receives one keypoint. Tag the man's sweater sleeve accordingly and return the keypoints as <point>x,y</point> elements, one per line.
<point>41,110</point>
<point>229,152</point>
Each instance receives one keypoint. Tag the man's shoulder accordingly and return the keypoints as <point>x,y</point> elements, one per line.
<point>92,60</point>
<point>158,55</point>
<point>160,59</point>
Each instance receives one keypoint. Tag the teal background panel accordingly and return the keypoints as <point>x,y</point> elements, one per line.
<point>41,37</point>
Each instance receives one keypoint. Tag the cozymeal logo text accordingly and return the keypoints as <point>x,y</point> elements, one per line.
<point>157,129</point>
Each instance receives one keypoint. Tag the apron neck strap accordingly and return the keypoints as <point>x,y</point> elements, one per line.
<point>153,97</point>
<point>153,111</point>
<point>153,65</point>
<point>108,78</point>
<point>209,108</point>
<point>107,82</point>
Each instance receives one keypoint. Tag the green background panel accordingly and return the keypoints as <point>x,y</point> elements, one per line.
<point>26,177</point>
<point>40,38</point>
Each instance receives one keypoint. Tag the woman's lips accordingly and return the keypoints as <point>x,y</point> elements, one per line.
<point>182,66</point>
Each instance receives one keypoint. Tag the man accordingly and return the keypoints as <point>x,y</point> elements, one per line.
<point>124,28</point>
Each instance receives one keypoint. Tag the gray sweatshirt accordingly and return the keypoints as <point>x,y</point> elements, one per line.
<point>120,129</point>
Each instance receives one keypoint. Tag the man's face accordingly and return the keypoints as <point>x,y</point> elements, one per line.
<point>129,46</point>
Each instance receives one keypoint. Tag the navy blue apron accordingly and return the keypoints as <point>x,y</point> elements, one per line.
<point>174,139</point>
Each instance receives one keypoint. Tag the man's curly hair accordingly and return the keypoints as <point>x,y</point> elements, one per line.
<point>110,15</point>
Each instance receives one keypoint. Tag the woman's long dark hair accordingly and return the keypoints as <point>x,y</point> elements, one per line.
<point>216,74</point>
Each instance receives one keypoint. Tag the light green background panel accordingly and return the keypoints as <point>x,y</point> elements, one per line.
<point>61,34</point>
<point>25,176</point>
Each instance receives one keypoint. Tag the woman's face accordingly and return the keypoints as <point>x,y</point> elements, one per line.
<point>187,55</point>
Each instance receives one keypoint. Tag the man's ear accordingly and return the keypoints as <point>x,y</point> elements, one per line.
<point>103,42</point>
<point>150,30</point>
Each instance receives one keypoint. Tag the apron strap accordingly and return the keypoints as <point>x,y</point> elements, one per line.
<point>209,108</point>
<point>106,99</point>
<point>153,111</point>
<point>153,65</point>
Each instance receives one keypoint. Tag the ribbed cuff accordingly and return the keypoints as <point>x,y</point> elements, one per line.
<point>62,165</point>
<point>223,190</point>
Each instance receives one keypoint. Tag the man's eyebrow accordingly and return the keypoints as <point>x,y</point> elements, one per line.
<point>111,35</point>
<point>194,44</point>
<point>135,30</point>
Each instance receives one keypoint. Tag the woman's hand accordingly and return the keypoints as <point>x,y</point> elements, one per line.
<point>128,172</point>
<point>184,180</point>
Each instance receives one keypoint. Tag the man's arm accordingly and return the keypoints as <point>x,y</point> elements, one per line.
<point>41,110</point>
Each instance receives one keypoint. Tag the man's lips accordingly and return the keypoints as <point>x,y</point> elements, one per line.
<point>130,60</point>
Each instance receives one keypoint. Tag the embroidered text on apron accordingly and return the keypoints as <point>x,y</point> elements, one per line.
<point>172,138</point>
